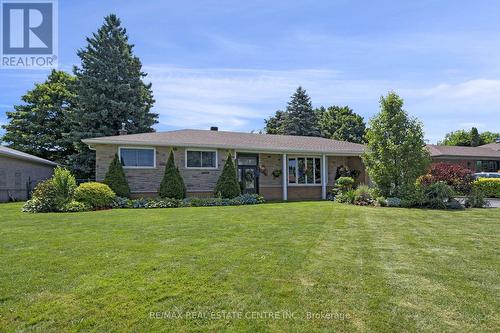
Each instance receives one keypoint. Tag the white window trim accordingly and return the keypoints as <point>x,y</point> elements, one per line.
<point>297,170</point>
<point>202,150</point>
<point>137,167</point>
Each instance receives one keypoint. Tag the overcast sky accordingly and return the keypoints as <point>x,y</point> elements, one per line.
<point>234,63</point>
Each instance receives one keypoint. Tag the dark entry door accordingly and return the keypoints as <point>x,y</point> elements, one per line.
<point>248,174</point>
<point>248,178</point>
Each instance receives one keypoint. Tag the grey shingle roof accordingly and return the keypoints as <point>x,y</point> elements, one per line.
<point>457,151</point>
<point>235,140</point>
<point>9,152</point>
<point>494,146</point>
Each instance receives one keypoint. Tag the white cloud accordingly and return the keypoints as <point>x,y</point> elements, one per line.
<point>240,99</point>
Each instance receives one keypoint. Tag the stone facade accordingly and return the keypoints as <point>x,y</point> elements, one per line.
<point>146,181</point>
<point>201,182</point>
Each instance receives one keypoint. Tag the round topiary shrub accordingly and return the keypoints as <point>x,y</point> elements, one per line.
<point>95,195</point>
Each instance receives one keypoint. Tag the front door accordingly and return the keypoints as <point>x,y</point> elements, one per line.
<point>248,174</point>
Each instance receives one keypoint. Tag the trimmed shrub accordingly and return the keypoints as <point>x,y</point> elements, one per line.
<point>64,186</point>
<point>344,183</point>
<point>456,176</point>
<point>489,186</point>
<point>95,195</point>
<point>172,185</point>
<point>476,199</point>
<point>116,180</point>
<point>227,185</point>
<point>43,198</point>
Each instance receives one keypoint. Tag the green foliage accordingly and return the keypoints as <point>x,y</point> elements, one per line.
<point>345,183</point>
<point>40,125</point>
<point>163,203</point>
<point>346,197</point>
<point>300,117</point>
<point>64,185</point>
<point>74,207</point>
<point>172,184</point>
<point>95,195</point>
<point>341,123</point>
<point>110,91</point>
<point>363,195</point>
<point>115,178</point>
<point>468,138</point>
<point>489,186</point>
<point>274,124</point>
<point>475,139</point>
<point>489,137</point>
<point>476,198</point>
<point>381,201</point>
<point>43,198</point>
<point>437,195</point>
<point>227,185</point>
<point>396,153</point>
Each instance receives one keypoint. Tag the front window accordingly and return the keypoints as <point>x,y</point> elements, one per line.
<point>201,159</point>
<point>137,157</point>
<point>304,170</point>
<point>487,166</point>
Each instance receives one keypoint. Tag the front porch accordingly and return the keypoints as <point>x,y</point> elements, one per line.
<point>294,176</point>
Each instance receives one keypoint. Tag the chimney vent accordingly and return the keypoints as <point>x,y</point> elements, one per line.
<point>214,128</point>
<point>123,130</point>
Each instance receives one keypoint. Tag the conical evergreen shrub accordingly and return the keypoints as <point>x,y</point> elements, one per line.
<point>172,184</point>
<point>116,180</point>
<point>227,185</point>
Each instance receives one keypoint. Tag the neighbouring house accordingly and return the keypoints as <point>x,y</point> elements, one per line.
<point>279,167</point>
<point>482,158</point>
<point>20,172</point>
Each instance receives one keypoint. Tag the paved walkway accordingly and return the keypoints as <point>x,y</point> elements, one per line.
<point>494,203</point>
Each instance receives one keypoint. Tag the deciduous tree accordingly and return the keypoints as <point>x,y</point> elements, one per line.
<point>396,154</point>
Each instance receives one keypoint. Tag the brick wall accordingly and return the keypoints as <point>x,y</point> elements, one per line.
<point>144,181</point>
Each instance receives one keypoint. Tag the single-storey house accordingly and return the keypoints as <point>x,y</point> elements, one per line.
<point>20,172</point>
<point>483,158</point>
<point>279,167</point>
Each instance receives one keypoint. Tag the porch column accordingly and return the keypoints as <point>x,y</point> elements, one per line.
<point>284,173</point>
<point>324,172</point>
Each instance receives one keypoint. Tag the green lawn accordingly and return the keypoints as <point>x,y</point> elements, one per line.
<point>379,269</point>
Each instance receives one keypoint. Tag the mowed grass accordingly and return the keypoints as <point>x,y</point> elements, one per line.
<point>303,267</point>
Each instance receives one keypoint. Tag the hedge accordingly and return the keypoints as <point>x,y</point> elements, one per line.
<point>490,186</point>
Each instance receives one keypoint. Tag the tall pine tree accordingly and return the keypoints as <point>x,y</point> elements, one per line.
<point>475,139</point>
<point>110,92</point>
<point>300,117</point>
<point>40,126</point>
